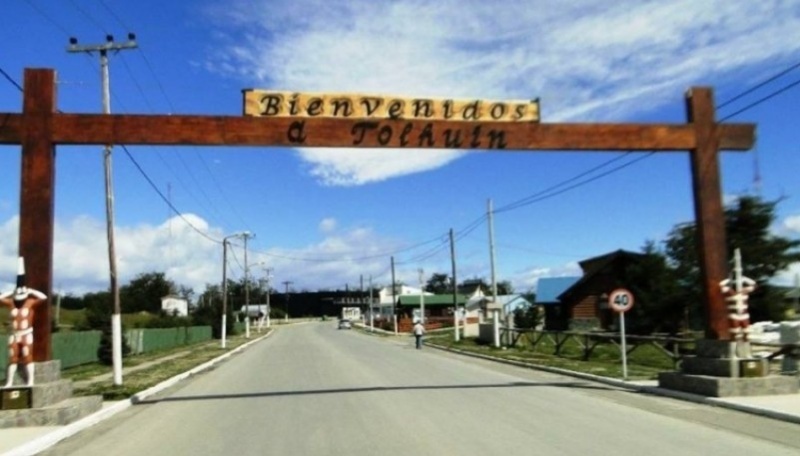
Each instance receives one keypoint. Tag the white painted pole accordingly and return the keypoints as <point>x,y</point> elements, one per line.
<point>496,327</point>
<point>624,347</point>
<point>371,308</point>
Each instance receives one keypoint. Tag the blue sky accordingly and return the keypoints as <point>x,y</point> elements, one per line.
<point>325,217</point>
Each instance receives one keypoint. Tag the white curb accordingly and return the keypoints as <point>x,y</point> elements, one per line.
<point>48,440</point>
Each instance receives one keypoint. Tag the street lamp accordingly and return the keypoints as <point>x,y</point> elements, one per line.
<point>224,328</point>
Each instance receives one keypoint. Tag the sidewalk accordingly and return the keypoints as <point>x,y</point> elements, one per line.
<point>32,440</point>
<point>784,407</point>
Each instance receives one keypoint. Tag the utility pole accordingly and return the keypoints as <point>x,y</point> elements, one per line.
<point>495,311</point>
<point>361,293</point>
<point>422,296</point>
<point>371,308</point>
<point>247,235</point>
<point>224,328</point>
<point>268,271</point>
<point>286,284</point>
<point>116,317</point>
<point>394,299</point>
<point>455,286</point>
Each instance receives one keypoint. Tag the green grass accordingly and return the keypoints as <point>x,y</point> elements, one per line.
<point>140,380</point>
<point>643,364</point>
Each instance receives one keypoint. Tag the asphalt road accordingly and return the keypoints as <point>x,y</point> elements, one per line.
<point>311,389</point>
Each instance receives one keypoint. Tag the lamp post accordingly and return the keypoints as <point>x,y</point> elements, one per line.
<point>224,328</point>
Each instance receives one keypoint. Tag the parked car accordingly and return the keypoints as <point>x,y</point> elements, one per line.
<point>345,324</point>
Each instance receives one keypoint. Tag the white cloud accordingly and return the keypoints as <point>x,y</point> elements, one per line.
<point>792,224</point>
<point>190,259</point>
<point>587,59</point>
<point>337,260</point>
<point>528,279</point>
<point>327,225</point>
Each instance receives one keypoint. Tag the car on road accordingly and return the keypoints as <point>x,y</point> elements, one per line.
<point>345,324</point>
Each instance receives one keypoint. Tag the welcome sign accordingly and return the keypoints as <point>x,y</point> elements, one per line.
<point>264,103</point>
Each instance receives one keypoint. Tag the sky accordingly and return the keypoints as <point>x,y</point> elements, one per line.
<point>330,218</point>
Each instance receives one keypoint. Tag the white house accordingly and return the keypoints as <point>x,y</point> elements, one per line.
<point>175,305</point>
<point>255,310</point>
<point>387,302</point>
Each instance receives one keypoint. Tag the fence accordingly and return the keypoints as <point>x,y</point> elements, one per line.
<point>672,347</point>
<point>80,347</point>
<point>148,340</point>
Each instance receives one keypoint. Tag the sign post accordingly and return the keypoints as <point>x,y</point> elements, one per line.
<point>621,300</point>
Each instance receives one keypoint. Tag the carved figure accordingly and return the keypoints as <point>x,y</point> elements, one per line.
<point>22,302</point>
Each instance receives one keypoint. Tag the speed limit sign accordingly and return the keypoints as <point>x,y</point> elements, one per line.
<point>620,300</point>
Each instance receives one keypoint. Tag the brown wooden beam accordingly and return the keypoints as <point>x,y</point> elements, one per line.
<point>331,132</point>
<point>709,214</point>
<point>37,198</point>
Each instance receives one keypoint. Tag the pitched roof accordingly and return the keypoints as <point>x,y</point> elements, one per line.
<point>593,266</point>
<point>549,288</point>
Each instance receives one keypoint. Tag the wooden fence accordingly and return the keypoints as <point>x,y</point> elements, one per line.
<point>670,346</point>
<point>587,341</point>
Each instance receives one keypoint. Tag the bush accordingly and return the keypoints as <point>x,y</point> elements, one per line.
<point>105,352</point>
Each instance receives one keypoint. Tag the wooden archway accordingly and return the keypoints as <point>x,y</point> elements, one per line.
<point>40,128</point>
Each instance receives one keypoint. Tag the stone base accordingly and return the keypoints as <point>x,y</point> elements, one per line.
<point>705,385</point>
<point>48,402</point>
<point>44,372</point>
<point>63,413</point>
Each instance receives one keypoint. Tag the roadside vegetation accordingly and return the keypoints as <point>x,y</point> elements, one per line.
<point>145,371</point>
<point>643,364</point>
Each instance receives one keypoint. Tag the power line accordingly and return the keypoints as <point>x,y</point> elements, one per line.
<point>761,100</point>
<point>759,85</point>
<point>11,80</point>
<point>114,15</point>
<point>48,18</point>
<point>165,199</point>
<point>89,17</point>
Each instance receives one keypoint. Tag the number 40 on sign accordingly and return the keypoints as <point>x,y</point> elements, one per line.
<point>620,300</point>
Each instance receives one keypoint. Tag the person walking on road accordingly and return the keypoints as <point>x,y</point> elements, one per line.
<point>419,330</point>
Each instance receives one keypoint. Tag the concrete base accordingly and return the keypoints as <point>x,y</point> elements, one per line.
<point>63,413</point>
<point>50,399</point>
<point>724,369</point>
<point>726,386</point>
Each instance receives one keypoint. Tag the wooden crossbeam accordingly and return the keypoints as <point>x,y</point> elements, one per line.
<point>39,128</point>
<point>334,132</point>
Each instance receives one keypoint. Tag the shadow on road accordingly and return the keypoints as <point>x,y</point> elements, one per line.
<point>369,389</point>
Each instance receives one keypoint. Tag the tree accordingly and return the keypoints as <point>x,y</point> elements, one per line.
<point>747,227</point>
<point>145,291</point>
<point>528,317</point>
<point>659,306</point>
<point>438,284</point>
<point>97,313</point>
<point>504,287</point>
<point>105,351</point>
<point>208,312</point>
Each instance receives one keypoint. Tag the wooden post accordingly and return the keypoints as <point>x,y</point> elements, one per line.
<point>37,198</point>
<point>709,214</point>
